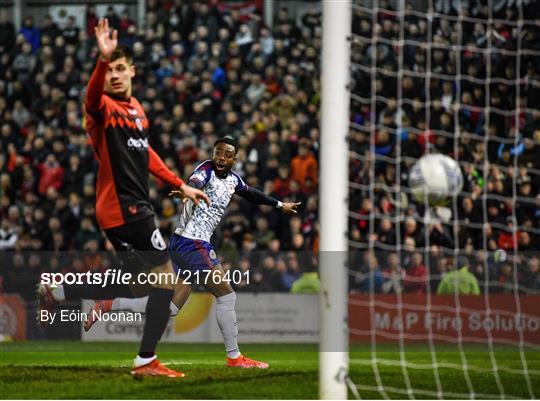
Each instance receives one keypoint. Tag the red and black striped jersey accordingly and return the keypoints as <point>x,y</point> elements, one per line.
<point>118,129</point>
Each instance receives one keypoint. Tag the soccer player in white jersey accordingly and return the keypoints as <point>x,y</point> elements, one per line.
<point>191,251</point>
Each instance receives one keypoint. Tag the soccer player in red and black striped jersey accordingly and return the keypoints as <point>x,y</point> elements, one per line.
<point>118,129</point>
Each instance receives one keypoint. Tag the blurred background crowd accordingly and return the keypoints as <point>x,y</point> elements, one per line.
<point>204,72</point>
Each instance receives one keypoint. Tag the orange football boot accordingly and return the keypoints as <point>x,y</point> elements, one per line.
<point>245,363</point>
<point>155,368</point>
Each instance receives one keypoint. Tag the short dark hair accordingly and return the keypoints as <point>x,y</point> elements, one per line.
<point>229,141</point>
<point>122,51</point>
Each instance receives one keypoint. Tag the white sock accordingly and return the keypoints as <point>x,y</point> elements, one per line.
<point>138,305</point>
<point>226,318</point>
<point>135,305</point>
<point>173,309</point>
<point>58,293</point>
<point>138,361</point>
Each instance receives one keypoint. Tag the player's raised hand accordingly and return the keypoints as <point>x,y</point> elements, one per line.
<point>290,207</point>
<point>106,40</point>
<point>186,192</point>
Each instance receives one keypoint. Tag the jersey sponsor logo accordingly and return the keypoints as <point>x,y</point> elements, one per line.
<point>157,240</point>
<point>137,143</point>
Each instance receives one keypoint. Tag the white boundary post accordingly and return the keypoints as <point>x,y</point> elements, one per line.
<point>141,13</point>
<point>269,14</point>
<point>17,14</point>
<point>333,195</point>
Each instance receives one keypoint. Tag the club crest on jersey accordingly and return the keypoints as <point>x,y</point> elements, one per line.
<point>212,254</point>
<point>132,209</point>
<point>137,143</point>
<point>133,112</point>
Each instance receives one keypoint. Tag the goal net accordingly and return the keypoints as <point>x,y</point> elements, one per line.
<point>443,301</point>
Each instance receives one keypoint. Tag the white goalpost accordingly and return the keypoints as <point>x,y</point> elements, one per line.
<point>333,194</point>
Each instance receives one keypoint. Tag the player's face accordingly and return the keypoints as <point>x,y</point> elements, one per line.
<point>224,157</point>
<point>118,79</point>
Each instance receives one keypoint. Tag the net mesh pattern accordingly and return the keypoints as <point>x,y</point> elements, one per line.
<point>461,79</point>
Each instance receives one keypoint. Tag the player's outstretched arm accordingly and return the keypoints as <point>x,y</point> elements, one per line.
<point>107,43</point>
<point>260,198</point>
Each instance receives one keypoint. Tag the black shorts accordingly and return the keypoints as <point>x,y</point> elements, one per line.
<point>139,244</point>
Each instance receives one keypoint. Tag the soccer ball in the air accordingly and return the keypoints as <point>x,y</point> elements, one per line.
<point>434,179</point>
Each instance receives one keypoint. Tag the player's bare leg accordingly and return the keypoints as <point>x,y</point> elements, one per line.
<point>181,295</point>
<point>226,317</point>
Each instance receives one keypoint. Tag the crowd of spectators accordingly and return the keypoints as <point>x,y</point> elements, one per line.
<point>472,93</point>
<point>205,70</point>
<point>201,73</point>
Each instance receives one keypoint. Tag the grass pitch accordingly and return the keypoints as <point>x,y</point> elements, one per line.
<point>75,370</point>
